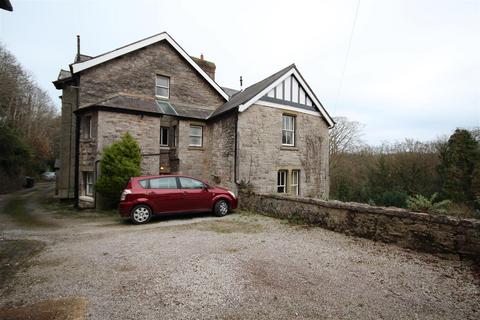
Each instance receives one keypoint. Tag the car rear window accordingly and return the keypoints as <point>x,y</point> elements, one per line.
<point>163,183</point>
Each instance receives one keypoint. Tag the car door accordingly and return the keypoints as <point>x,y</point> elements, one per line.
<point>165,194</point>
<point>197,196</point>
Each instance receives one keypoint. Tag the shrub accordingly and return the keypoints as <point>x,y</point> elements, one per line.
<point>245,187</point>
<point>121,161</point>
<point>459,159</point>
<point>392,198</point>
<point>15,154</point>
<point>424,204</point>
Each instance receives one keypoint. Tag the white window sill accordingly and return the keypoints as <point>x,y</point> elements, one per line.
<point>86,199</point>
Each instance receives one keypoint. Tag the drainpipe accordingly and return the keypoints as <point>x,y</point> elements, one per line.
<point>77,149</point>
<point>235,160</point>
<point>95,178</point>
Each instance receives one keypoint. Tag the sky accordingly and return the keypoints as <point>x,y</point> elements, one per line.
<point>404,69</point>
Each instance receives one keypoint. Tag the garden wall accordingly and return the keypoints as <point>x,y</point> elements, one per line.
<point>419,231</point>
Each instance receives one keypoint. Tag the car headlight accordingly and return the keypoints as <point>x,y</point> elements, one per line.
<point>233,194</point>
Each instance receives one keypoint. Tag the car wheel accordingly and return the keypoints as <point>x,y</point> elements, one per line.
<point>221,208</point>
<point>141,214</point>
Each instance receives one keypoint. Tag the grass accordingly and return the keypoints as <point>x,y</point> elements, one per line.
<point>66,308</point>
<point>66,209</point>
<point>16,209</point>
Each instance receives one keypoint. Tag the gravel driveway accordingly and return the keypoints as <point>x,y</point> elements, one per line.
<point>243,266</point>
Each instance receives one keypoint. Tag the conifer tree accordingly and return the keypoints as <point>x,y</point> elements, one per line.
<point>459,157</point>
<point>121,160</point>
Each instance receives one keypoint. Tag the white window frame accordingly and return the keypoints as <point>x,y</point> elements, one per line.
<point>191,135</point>
<point>292,130</point>
<point>87,127</point>
<point>157,85</point>
<point>295,185</point>
<point>174,142</point>
<point>282,184</point>
<point>88,183</point>
<point>162,135</point>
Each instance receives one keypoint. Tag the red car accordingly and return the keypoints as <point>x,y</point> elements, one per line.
<point>151,195</point>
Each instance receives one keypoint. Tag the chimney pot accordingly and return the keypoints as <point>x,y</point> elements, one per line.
<point>201,56</point>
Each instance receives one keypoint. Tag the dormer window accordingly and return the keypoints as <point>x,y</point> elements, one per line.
<point>162,87</point>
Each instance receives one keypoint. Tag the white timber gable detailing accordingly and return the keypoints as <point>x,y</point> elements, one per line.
<point>294,81</point>
<point>290,90</point>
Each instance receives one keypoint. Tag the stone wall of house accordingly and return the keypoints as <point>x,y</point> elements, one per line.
<point>261,153</point>
<point>419,231</point>
<point>221,151</point>
<point>145,129</point>
<point>193,161</point>
<point>66,172</point>
<point>135,72</point>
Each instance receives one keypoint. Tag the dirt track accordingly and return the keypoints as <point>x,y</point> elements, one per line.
<point>56,264</point>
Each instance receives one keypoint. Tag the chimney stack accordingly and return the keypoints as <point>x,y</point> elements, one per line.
<point>207,66</point>
<point>78,47</point>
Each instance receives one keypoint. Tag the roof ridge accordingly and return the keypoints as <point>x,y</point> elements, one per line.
<point>124,46</point>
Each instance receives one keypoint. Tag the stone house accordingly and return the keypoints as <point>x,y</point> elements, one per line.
<point>273,134</point>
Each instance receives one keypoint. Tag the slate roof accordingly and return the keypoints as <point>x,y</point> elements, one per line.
<point>63,74</point>
<point>230,91</point>
<point>142,104</point>
<point>6,5</point>
<point>82,57</point>
<point>250,92</point>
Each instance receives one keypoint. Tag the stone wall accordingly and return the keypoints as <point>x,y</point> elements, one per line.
<point>66,173</point>
<point>261,153</point>
<point>193,161</point>
<point>419,231</point>
<point>135,73</point>
<point>221,152</point>
<point>145,129</point>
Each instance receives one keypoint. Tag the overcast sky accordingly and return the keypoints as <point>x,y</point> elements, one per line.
<point>413,69</point>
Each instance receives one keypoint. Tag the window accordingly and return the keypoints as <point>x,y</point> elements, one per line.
<point>282,181</point>
<point>188,183</point>
<point>288,130</point>
<point>87,127</point>
<point>88,183</point>
<point>295,186</point>
<point>164,136</point>
<point>163,183</point>
<point>196,136</point>
<point>162,87</point>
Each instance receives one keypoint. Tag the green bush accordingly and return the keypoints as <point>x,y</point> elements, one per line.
<point>392,199</point>
<point>424,204</point>
<point>121,161</point>
<point>15,154</point>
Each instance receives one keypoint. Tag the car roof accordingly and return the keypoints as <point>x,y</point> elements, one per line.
<point>165,176</point>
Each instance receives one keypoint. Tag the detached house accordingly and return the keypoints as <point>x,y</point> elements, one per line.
<point>273,134</point>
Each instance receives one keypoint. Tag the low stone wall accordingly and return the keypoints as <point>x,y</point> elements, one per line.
<point>413,230</point>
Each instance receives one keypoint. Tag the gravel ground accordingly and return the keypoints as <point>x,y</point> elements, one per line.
<point>243,266</point>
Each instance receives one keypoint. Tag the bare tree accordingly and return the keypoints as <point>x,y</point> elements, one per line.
<point>345,136</point>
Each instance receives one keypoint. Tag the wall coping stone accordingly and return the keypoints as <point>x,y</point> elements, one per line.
<point>390,211</point>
